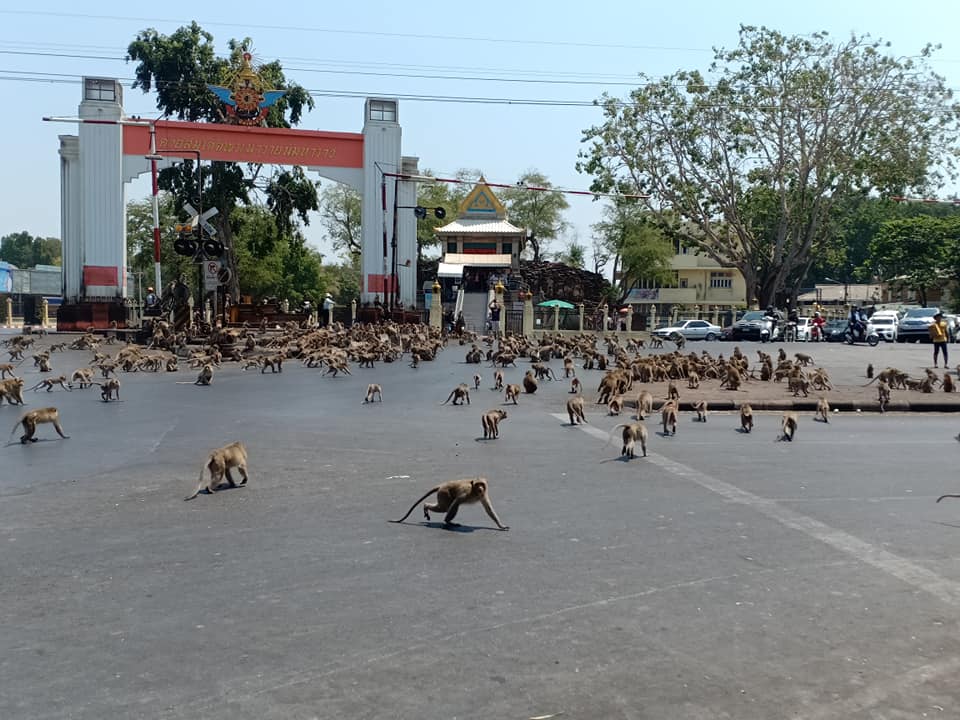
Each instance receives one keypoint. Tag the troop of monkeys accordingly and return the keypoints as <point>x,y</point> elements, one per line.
<point>334,347</point>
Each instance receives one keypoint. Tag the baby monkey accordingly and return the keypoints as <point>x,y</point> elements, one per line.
<point>33,418</point>
<point>746,418</point>
<point>451,495</point>
<point>219,464</point>
<point>476,382</point>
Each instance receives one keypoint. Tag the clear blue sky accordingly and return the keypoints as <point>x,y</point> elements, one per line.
<point>525,50</point>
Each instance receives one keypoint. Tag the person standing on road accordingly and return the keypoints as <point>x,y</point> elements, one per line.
<point>939,335</point>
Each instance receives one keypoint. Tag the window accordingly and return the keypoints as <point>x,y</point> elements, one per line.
<point>506,248</point>
<point>451,246</point>
<point>385,110</point>
<point>683,282</point>
<point>99,89</point>
<point>721,280</point>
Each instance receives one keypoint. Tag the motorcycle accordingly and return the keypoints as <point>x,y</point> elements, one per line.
<point>770,330</point>
<point>859,332</point>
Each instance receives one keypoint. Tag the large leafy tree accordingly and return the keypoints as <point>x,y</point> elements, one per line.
<point>755,160</point>
<point>918,253</point>
<point>140,241</point>
<point>539,211</point>
<point>639,249</point>
<point>178,68</point>
<point>24,250</point>
<point>340,218</point>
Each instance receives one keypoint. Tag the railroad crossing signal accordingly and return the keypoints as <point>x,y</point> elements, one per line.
<point>187,244</point>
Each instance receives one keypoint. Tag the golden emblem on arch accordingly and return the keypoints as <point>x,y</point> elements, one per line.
<point>245,100</point>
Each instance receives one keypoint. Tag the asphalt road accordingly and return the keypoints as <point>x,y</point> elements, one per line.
<point>723,576</point>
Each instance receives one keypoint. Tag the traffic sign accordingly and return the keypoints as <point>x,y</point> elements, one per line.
<point>211,274</point>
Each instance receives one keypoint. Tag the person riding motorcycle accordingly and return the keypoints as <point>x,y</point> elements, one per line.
<point>858,323</point>
<point>816,331</point>
<point>772,315</point>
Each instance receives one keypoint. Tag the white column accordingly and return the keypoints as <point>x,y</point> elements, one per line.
<point>71,233</point>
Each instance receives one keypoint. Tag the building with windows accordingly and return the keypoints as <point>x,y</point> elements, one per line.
<point>698,280</point>
<point>480,246</point>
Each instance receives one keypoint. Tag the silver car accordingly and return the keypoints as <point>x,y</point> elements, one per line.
<point>690,330</point>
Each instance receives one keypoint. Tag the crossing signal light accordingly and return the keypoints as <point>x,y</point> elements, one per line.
<point>421,212</point>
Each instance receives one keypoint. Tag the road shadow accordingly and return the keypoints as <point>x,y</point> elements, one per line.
<point>946,524</point>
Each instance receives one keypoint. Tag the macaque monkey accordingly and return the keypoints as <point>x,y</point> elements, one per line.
<point>788,426</point>
<point>869,370</point>
<point>49,383</point>
<point>16,353</point>
<point>451,495</point>
<point>274,362</point>
<point>498,380</point>
<point>414,360</point>
<point>746,418</point>
<point>6,369</point>
<point>108,389</point>
<point>512,392</point>
<point>781,355</point>
<point>803,359</point>
<point>83,376</point>
<point>632,432</point>
<point>460,392</point>
<point>575,410</point>
<point>219,464</point>
<point>252,363</point>
<point>568,368</point>
<point>206,375</point>
<point>948,384</point>
<point>693,381</point>
<point>33,418</point>
<point>373,390</point>
<point>45,364</point>
<point>476,382</point>
<point>701,409</point>
<point>12,390</point>
<point>575,385</point>
<point>491,423</point>
<point>672,392</point>
<point>644,404</point>
<point>668,414</point>
<point>616,405</point>
<point>883,395</point>
<point>529,382</point>
<point>823,410</point>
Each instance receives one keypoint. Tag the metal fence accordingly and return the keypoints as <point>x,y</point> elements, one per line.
<point>513,321</point>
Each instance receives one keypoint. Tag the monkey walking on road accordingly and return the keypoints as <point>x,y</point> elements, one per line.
<point>373,390</point>
<point>632,433</point>
<point>788,426</point>
<point>33,418</point>
<point>451,495</point>
<point>461,392</point>
<point>219,463</point>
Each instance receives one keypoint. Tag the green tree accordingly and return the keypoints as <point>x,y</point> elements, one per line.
<point>343,280</point>
<point>25,251</point>
<point>434,195</point>
<point>918,253</point>
<point>273,262</point>
<point>574,254</point>
<point>179,67</point>
<point>787,124</point>
<point>539,211</point>
<point>640,252</point>
<point>340,218</point>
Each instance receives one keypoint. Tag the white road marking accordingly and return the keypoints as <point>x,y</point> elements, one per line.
<point>945,590</point>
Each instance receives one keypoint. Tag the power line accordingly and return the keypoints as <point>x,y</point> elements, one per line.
<point>362,33</point>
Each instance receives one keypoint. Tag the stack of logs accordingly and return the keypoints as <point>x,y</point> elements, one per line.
<point>556,281</point>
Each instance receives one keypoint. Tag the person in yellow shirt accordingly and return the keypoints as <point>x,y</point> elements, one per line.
<point>939,335</point>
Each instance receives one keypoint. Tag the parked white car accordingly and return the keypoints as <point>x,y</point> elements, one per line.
<point>885,326</point>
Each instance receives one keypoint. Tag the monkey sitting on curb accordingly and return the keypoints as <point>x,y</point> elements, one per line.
<point>33,418</point>
<point>491,423</point>
<point>219,464</point>
<point>451,495</point>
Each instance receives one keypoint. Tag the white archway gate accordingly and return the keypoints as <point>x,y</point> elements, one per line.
<point>110,150</point>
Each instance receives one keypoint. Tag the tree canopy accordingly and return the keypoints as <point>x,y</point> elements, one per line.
<point>179,67</point>
<point>919,253</point>
<point>628,235</point>
<point>25,251</point>
<point>540,212</point>
<point>751,161</point>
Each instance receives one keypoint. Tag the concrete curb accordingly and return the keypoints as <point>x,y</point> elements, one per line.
<point>809,405</point>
